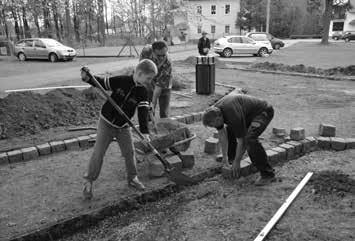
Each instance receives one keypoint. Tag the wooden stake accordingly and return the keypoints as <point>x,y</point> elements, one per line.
<point>48,88</point>
<point>283,208</point>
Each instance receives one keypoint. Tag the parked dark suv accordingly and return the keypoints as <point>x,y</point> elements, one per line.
<point>347,36</point>
<point>262,36</point>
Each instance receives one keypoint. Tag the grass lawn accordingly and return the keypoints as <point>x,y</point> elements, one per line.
<point>316,55</point>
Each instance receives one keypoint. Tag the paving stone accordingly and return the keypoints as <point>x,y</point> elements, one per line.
<point>57,146</point>
<point>187,158</point>
<point>272,156</point>
<point>327,130</point>
<point>350,143</point>
<point>180,118</point>
<point>219,158</point>
<point>211,146</point>
<point>215,134</point>
<point>93,136</point>
<point>279,132</point>
<point>155,168</point>
<point>226,172</point>
<point>175,162</point>
<point>324,142</point>
<point>338,144</point>
<point>4,159</point>
<point>290,151</point>
<point>72,144</point>
<point>306,146</point>
<point>282,153</point>
<point>173,118</point>
<point>84,141</point>
<point>15,156</point>
<point>298,147</point>
<point>197,116</point>
<point>189,119</point>
<point>297,134</point>
<point>246,167</point>
<point>44,149</point>
<point>313,143</point>
<point>29,153</point>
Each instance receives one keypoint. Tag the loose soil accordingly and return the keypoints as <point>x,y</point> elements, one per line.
<point>44,190</point>
<point>237,210</point>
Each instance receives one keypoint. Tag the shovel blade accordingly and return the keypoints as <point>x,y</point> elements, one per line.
<point>180,178</point>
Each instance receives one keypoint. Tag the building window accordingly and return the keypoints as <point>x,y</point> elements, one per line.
<point>227,29</point>
<point>199,29</point>
<point>227,9</point>
<point>213,29</point>
<point>199,9</point>
<point>213,9</point>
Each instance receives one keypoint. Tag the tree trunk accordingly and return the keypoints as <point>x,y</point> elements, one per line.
<point>46,21</point>
<point>101,22</point>
<point>25,23</point>
<point>76,24</point>
<point>327,15</point>
<point>153,20</point>
<point>17,28</point>
<point>56,21</point>
<point>68,23</point>
<point>35,17</point>
<point>106,20</point>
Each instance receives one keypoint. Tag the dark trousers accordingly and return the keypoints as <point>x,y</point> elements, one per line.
<point>255,150</point>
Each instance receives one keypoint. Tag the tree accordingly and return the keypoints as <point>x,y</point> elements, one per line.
<point>330,6</point>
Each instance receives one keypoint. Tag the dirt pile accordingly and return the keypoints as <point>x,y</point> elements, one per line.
<point>300,68</point>
<point>29,113</point>
<point>332,183</point>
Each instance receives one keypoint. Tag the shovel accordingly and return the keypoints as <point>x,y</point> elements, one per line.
<point>173,174</point>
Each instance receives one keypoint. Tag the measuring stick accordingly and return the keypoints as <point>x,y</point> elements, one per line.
<point>283,208</point>
<point>48,88</point>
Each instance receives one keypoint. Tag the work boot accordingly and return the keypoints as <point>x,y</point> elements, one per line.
<point>264,180</point>
<point>135,183</point>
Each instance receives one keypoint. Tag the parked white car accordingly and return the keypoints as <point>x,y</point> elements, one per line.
<point>43,48</point>
<point>237,44</point>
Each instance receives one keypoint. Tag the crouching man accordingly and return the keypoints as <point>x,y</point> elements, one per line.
<point>130,93</point>
<point>240,120</point>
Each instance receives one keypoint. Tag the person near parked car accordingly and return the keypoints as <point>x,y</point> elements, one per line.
<point>158,53</point>
<point>130,93</point>
<point>240,120</point>
<point>204,44</point>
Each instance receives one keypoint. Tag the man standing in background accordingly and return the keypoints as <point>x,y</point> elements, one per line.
<point>204,44</point>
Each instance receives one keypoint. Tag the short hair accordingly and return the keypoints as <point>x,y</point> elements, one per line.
<point>210,114</point>
<point>147,66</point>
<point>158,45</point>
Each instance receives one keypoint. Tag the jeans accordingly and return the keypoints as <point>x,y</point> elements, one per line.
<point>105,134</point>
<point>255,150</point>
<point>164,103</point>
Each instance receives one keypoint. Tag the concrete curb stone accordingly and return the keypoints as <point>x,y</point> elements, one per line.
<point>44,149</point>
<point>29,153</point>
<point>272,156</point>
<point>298,147</point>
<point>323,142</point>
<point>313,143</point>
<point>84,141</point>
<point>338,144</point>
<point>350,143</point>
<point>281,152</point>
<point>327,130</point>
<point>15,156</point>
<point>72,144</point>
<point>4,159</point>
<point>290,151</point>
<point>57,146</point>
<point>297,134</point>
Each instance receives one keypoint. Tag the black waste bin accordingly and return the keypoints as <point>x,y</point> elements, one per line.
<point>205,75</point>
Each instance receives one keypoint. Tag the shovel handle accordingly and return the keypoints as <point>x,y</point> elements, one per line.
<point>166,164</point>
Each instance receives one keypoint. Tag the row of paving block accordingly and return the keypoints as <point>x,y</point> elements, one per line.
<point>30,153</point>
<point>299,133</point>
<point>292,150</point>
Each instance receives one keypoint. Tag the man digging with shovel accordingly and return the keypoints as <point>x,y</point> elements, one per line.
<point>129,93</point>
<point>246,118</point>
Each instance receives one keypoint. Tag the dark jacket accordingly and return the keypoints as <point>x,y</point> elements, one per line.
<point>202,43</point>
<point>128,95</point>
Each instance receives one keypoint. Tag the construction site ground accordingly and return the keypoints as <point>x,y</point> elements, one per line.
<point>41,191</point>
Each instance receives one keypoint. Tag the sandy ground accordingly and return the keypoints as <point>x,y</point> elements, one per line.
<point>41,191</point>
<point>236,210</point>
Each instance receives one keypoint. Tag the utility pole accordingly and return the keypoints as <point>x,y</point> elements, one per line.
<point>268,16</point>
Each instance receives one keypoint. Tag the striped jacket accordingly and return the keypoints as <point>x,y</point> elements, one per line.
<point>130,96</point>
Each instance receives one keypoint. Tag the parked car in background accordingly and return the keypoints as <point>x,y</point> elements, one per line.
<point>43,48</point>
<point>337,35</point>
<point>348,35</point>
<point>263,37</point>
<point>236,44</point>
